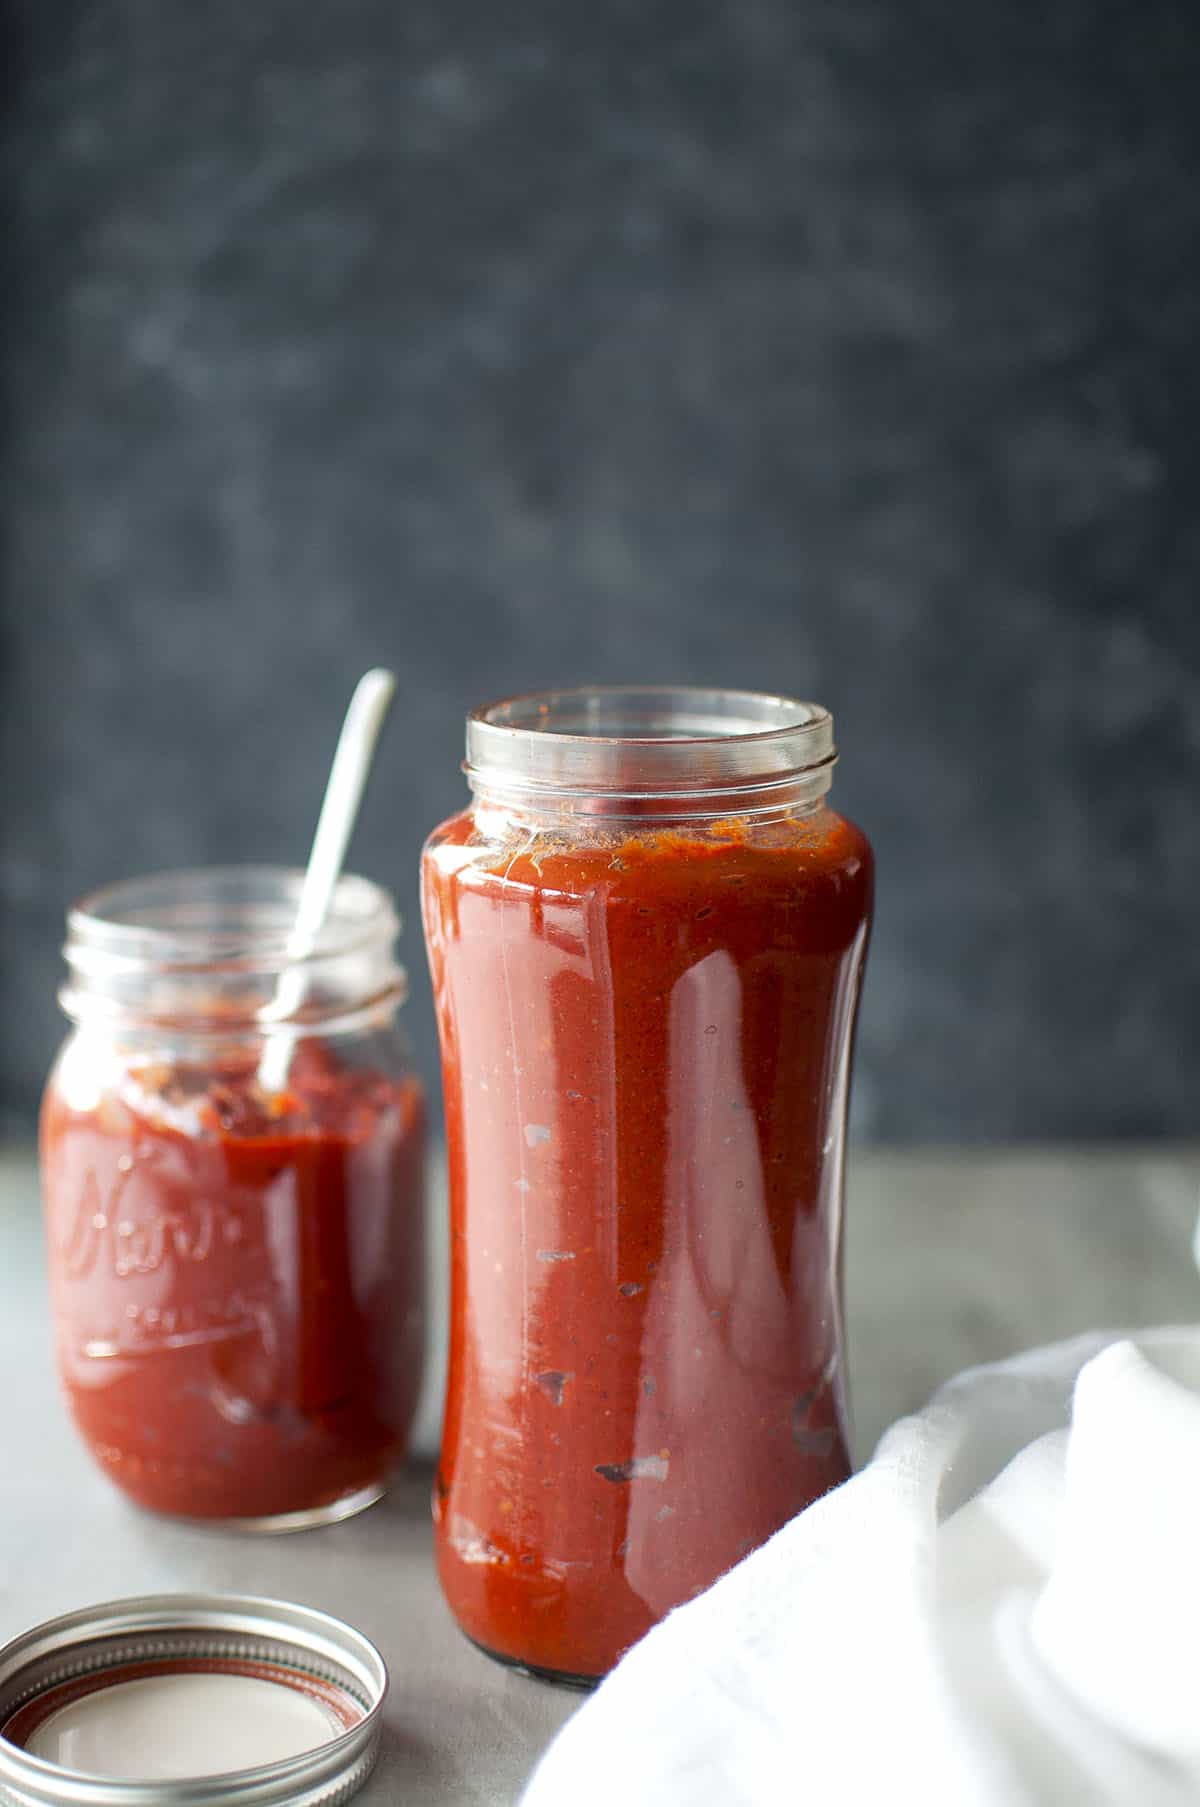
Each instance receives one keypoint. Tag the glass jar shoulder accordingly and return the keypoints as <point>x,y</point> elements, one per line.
<point>344,1090</point>
<point>632,858</point>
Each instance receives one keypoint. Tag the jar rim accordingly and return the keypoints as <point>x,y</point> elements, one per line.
<point>648,740</point>
<point>227,916</point>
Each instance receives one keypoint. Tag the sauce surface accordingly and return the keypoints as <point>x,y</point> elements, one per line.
<point>237,1288</point>
<point>646,1042</point>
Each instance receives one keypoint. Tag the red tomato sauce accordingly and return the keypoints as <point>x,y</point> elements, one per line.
<point>237,1291</point>
<point>646,1043</point>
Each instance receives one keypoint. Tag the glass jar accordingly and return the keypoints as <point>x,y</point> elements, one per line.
<point>237,1273</point>
<point>646,938</point>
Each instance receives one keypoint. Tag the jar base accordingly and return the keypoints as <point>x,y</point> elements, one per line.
<point>282,1524</point>
<point>558,1678</point>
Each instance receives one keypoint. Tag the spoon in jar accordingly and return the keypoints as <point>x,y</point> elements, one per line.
<point>339,811</point>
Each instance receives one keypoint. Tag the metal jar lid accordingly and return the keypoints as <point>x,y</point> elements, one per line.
<point>284,1703</point>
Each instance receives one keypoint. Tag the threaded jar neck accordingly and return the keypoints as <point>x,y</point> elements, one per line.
<point>201,953</point>
<point>670,750</point>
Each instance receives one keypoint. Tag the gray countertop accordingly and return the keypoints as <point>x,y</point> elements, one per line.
<point>952,1259</point>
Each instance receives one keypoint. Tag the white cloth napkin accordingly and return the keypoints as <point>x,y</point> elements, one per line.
<point>1001,1609</point>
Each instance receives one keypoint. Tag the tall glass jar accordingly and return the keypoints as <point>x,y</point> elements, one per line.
<point>646,937</point>
<point>237,1267</point>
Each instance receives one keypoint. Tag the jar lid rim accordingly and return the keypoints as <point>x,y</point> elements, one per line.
<point>296,1647</point>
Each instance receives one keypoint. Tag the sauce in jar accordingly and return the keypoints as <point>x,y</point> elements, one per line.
<point>646,1029</point>
<point>237,1279</point>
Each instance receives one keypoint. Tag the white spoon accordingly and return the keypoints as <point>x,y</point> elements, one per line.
<point>339,810</point>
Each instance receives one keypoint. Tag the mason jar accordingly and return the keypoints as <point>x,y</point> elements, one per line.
<point>647,936</point>
<point>236,1266</point>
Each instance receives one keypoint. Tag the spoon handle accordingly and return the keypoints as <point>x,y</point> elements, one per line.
<point>339,810</point>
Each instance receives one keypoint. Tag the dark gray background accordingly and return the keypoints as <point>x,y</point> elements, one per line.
<point>845,347</point>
